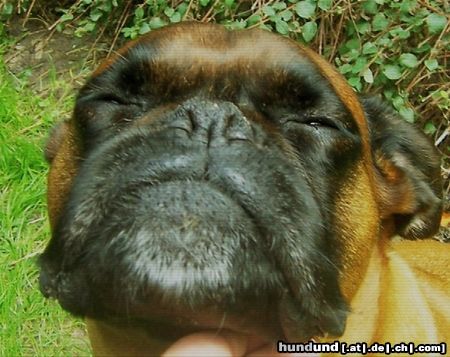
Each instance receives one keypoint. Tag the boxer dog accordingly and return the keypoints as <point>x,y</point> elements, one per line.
<point>232,180</point>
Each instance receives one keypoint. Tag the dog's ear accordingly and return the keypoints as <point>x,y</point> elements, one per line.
<point>407,172</point>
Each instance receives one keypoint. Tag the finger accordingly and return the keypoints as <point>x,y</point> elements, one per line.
<point>208,344</point>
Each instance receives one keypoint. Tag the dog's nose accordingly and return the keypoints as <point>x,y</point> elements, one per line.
<point>213,122</point>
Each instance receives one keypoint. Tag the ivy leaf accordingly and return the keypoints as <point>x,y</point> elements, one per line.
<point>392,72</point>
<point>144,28</point>
<point>7,9</point>
<point>309,30</point>
<point>355,83</point>
<point>380,22</point>
<point>369,48</point>
<point>139,13</point>
<point>156,23</point>
<point>168,11</point>
<point>281,27</point>
<point>279,6</point>
<point>305,9</point>
<point>363,27</point>
<point>325,4</point>
<point>268,10</point>
<point>176,17</point>
<point>66,17</point>
<point>253,19</point>
<point>370,7</point>
<point>368,76</point>
<point>409,60</point>
<point>345,68</point>
<point>407,114</point>
<point>286,15</point>
<point>431,64</point>
<point>95,15</point>
<point>429,128</point>
<point>436,23</point>
<point>359,65</point>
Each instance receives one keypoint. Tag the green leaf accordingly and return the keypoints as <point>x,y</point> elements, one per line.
<point>369,48</point>
<point>105,7</point>
<point>325,4</point>
<point>156,23</point>
<point>268,10</point>
<point>426,47</point>
<point>95,15</point>
<point>398,102</point>
<point>229,3</point>
<point>66,17</point>
<point>380,22</point>
<point>408,5</point>
<point>352,55</point>
<point>255,18</point>
<point>407,114</point>
<point>400,33</point>
<point>409,60</point>
<point>279,6</point>
<point>168,11</point>
<point>176,17</point>
<point>353,44</point>
<point>139,13</point>
<point>429,128</point>
<point>286,15</point>
<point>204,2</point>
<point>368,76</point>
<point>144,28</point>
<point>181,9</point>
<point>370,7</point>
<point>431,64</point>
<point>89,27</point>
<point>392,72</point>
<point>236,24</point>
<point>436,23</point>
<point>345,68</point>
<point>355,82</point>
<point>309,30</point>
<point>363,27</point>
<point>359,65</point>
<point>7,9</point>
<point>281,27</point>
<point>305,9</point>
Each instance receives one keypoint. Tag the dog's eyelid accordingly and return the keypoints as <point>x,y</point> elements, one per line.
<point>313,121</point>
<point>321,121</point>
<point>108,97</point>
<point>113,99</point>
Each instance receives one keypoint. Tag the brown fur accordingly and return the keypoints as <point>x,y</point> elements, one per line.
<point>399,290</point>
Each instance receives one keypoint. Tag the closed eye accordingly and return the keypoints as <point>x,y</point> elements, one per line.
<point>317,122</point>
<point>112,99</point>
<point>312,121</point>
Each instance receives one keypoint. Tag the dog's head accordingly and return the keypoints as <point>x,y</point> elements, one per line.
<point>211,178</point>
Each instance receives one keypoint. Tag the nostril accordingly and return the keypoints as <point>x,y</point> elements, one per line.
<point>238,128</point>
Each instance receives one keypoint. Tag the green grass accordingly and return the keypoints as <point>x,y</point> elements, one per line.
<point>29,324</point>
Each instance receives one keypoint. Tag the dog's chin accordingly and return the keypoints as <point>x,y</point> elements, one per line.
<point>183,254</point>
